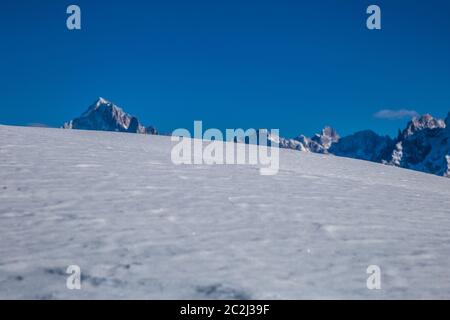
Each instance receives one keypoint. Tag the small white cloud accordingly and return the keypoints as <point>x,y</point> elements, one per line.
<point>396,114</point>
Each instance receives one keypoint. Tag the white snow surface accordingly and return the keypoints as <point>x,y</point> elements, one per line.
<point>141,227</point>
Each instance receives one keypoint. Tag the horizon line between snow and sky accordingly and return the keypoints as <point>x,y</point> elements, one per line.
<point>232,64</point>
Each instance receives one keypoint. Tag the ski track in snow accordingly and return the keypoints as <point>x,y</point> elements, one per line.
<point>142,227</point>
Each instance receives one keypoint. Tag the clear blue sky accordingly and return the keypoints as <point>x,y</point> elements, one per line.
<point>294,65</point>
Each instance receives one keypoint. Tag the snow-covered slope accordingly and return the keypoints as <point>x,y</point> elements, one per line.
<point>141,227</point>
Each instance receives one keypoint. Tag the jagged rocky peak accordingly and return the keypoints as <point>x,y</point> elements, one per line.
<point>423,122</point>
<point>327,137</point>
<point>423,146</point>
<point>330,132</point>
<point>101,101</point>
<point>104,115</point>
<point>103,104</point>
<point>321,142</point>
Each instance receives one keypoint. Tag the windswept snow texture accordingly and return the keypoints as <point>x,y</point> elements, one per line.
<point>142,227</point>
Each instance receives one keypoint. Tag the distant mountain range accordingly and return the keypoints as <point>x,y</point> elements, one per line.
<point>424,145</point>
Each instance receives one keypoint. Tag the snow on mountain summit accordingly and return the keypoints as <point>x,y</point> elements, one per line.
<point>423,146</point>
<point>104,115</point>
<point>422,123</point>
<point>102,101</point>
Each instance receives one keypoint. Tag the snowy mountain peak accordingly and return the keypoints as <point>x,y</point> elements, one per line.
<point>330,132</point>
<point>104,115</point>
<point>423,146</point>
<point>423,122</point>
<point>101,100</point>
<point>321,142</point>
